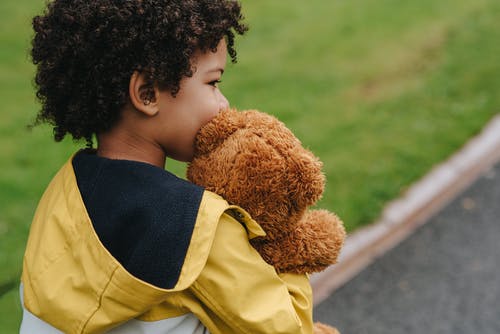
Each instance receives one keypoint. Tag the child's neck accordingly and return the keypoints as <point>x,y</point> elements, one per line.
<point>125,146</point>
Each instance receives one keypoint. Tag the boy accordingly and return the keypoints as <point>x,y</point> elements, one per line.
<point>118,244</point>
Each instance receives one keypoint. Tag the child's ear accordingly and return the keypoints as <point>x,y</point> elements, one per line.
<point>143,95</point>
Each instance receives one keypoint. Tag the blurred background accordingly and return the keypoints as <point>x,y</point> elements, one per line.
<point>380,90</point>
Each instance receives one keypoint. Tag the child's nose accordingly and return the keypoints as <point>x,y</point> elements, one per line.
<point>223,102</point>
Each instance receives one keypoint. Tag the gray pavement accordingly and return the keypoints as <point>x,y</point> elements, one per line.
<point>445,278</point>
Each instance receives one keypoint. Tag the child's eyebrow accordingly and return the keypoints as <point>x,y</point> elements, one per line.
<point>218,69</point>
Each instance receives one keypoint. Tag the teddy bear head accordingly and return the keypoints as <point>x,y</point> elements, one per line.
<point>252,160</point>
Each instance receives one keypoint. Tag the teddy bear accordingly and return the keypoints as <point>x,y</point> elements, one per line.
<point>253,160</point>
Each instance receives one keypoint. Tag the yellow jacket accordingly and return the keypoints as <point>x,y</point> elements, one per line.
<point>73,283</point>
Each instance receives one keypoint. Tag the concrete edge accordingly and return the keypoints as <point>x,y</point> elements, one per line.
<point>403,216</point>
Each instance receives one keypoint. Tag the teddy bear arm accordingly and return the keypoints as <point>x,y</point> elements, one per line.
<point>311,246</point>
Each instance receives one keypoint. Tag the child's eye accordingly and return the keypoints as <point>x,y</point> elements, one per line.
<point>215,83</point>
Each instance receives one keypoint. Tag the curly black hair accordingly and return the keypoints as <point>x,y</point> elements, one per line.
<point>86,51</point>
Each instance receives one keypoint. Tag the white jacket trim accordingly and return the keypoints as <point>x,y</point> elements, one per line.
<point>185,324</point>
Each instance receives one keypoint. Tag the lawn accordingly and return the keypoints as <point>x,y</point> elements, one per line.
<point>380,90</point>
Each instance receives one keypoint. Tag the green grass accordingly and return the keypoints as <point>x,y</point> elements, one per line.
<point>380,90</point>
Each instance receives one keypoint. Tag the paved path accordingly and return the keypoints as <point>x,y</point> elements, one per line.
<point>445,278</point>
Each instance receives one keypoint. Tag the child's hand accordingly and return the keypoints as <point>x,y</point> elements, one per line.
<point>320,328</point>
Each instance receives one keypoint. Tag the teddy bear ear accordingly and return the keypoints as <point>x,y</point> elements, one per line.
<point>215,132</point>
<point>306,178</point>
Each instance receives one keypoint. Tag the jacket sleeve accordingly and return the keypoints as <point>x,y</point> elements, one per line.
<point>238,292</point>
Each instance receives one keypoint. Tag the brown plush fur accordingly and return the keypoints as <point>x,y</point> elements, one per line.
<point>252,160</point>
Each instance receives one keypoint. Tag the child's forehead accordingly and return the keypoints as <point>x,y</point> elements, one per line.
<point>211,60</point>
